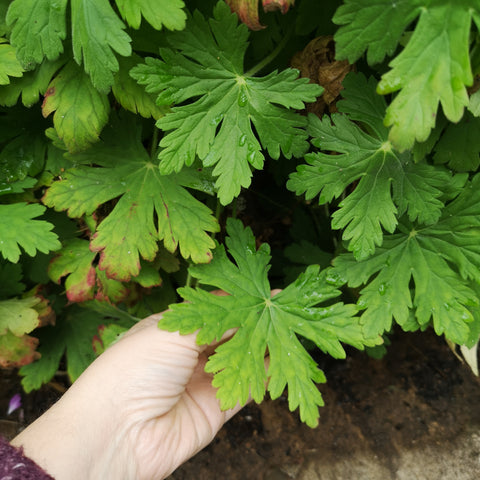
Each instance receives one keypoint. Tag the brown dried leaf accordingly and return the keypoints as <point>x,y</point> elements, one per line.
<point>317,62</point>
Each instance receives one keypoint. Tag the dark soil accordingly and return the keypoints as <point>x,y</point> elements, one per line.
<point>419,395</point>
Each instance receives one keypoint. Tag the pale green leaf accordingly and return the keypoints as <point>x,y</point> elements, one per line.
<point>18,315</point>
<point>96,33</point>
<point>38,29</point>
<point>19,228</point>
<point>434,68</point>
<point>81,111</point>
<point>264,324</point>
<point>168,13</point>
<point>9,65</point>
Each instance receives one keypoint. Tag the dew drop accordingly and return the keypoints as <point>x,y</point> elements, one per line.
<point>242,99</point>
<point>333,279</point>
<point>216,120</point>
<point>447,306</point>
<point>382,289</point>
<point>251,156</point>
<point>242,140</point>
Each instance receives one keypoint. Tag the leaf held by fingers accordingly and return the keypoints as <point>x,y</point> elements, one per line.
<point>264,323</point>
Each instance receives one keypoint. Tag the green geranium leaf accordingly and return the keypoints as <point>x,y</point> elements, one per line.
<point>217,104</point>
<point>19,228</point>
<point>38,29</point>
<point>264,323</point>
<point>433,68</point>
<point>9,65</point>
<point>442,260</point>
<point>130,231</point>
<point>81,111</point>
<point>389,183</point>
<point>168,13</point>
<point>96,33</point>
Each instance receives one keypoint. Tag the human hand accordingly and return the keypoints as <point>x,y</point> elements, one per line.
<point>139,411</point>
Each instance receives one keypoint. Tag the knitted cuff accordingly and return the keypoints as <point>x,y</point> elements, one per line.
<point>15,466</point>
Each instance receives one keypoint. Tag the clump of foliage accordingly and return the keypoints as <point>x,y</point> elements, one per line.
<point>139,139</point>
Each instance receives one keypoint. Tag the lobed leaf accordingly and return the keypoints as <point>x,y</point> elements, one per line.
<point>81,111</point>
<point>9,65</point>
<point>72,335</point>
<point>96,33</point>
<point>130,95</point>
<point>168,13</point>
<point>129,232</point>
<point>19,228</point>
<point>387,184</point>
<point>441,259</point>
<point>264,324</point>
<point>38,29</point>
<point>218,106</point>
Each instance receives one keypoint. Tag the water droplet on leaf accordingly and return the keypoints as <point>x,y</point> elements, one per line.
<point>242,99</point>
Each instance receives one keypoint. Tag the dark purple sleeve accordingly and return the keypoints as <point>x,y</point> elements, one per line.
<point>15,466</point>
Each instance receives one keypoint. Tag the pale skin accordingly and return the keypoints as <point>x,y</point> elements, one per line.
<point>139,411</point>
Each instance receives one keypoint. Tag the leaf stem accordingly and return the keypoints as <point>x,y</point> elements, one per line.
<point>189,281</point>
<point>218,213</point>
<point>263,63</point>
<point>154,145</point>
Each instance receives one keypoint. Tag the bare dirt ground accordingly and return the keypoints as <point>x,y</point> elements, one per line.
<point>414,415</point>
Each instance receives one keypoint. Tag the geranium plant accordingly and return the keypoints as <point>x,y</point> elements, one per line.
<point>150,151</point>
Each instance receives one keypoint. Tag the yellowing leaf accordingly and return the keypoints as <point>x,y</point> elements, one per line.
<point>17,351</point>
<point>150,207</point>
<point>75,261</point>
<point>18,315</point>
<point>81,111</point>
